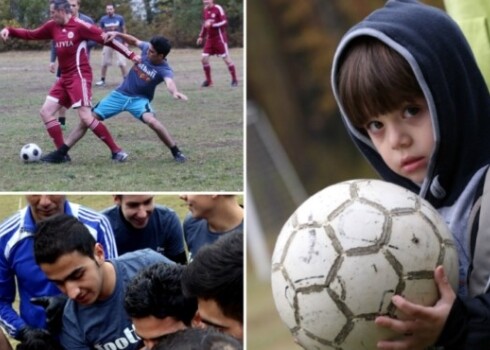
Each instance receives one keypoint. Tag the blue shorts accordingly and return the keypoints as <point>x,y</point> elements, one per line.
<point>116,102</point>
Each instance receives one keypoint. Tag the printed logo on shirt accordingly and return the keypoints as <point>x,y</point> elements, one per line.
<point>145,73</point>
<point>129,338</point>
<point>65,43</point>
<point>70,35</point>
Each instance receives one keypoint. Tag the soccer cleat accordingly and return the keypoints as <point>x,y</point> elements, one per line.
<point>179,157</point>
<point>100,83</point>
<point>207,83</point>
<point>56,157</point>
<point>120,156</point>
<point>234,83</point>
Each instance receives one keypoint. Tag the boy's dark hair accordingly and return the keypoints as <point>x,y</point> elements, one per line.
<point>157,291</point>
<point>161,45</point>
<point>61,5</point>
<point>198,339</point>
<point>374,79</point>
<point>60,235</point>
<point>217,273</point>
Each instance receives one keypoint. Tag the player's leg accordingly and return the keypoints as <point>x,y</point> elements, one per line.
<point>231,69</point>
<point>163,134</point>
<point>76,134</point>
<point>62,111</point>
<point>106,61</point>
<point>62,117</point>
<point>207,70</point>
<point>222,48</point>
<point>52,125</point>
<point>101,131</point>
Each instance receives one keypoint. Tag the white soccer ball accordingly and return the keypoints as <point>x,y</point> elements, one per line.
<point>346,251</point>
<point>30,153</point>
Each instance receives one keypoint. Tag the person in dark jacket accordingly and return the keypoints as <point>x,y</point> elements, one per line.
<point>415,104</point>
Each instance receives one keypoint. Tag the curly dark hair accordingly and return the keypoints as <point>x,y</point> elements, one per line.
<point>157,291</point>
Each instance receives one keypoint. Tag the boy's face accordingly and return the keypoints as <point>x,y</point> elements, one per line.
<point>404,139</point>
<point>210,314</point>
<point>78,276</point>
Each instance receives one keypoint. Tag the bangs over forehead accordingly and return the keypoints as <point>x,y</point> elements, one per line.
<point>373,79</point>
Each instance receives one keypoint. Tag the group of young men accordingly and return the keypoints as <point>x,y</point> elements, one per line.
<point>72,35</point>
<point>54,246</point>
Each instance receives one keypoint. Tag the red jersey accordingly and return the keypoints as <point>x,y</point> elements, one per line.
<point>70,41</point>
<point>217,31</point>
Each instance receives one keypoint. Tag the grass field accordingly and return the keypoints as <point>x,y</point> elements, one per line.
<point>265,330</point>
<point>208,128</point>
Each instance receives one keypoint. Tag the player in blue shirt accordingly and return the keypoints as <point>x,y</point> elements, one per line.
<point>138,223</point>
<point>137,90</point>
<point>17,259</point>
<point>210,217</point>
<point>94,316</point>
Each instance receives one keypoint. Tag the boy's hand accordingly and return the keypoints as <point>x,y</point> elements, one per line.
<point>424,324</point>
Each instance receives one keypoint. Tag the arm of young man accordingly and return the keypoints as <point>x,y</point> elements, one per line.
<point>130,39</point>
<point>91,32</point>
<point>172,89</point>
<point>41,33</point>
<point>105,236</point>
<point>10,319</point>
<point>220,19</point>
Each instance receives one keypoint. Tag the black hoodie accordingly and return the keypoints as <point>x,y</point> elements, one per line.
<point>459,104</point>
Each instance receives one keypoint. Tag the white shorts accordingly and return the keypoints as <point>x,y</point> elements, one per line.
<point>107,53</point>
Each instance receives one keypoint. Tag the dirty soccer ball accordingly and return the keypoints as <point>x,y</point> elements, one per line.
<point>30,153</point>
<point>346,251</point>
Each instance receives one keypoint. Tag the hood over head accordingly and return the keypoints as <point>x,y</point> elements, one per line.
<point>456,94</point>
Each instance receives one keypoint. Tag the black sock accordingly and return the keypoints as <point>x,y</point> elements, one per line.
<point>64,149</point>
<point>174,150</point>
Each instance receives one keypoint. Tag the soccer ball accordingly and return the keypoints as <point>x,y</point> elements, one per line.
<point>346,251</point>
<point>30,153</point>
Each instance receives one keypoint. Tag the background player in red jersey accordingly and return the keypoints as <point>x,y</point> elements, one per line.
<point>74,88</point>
<point>213,31</point>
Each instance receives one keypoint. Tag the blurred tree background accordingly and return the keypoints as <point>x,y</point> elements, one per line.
<point>179,20</point>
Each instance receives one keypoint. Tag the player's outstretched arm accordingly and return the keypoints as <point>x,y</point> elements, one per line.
<point>130,39</point>
<point>424,324</point>
<point>172,88</point>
